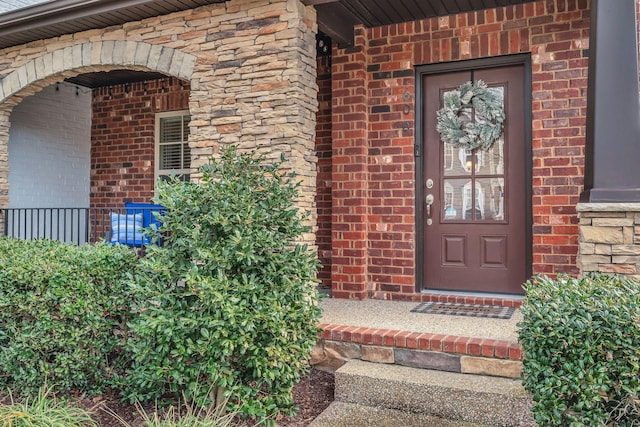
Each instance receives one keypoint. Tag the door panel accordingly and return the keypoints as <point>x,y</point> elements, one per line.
<point>454,250</point>
<point>475,227</point>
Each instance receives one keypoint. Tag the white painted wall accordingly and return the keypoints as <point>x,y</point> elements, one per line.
<point>50,156</point>
<point>50,149</point>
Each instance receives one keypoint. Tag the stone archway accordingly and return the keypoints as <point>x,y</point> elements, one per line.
<point>52,67</point>
<point>94,56</point>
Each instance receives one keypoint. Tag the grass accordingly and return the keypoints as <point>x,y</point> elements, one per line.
<point>43,411</point>
<point>200,417</point>
<point>185,415</point>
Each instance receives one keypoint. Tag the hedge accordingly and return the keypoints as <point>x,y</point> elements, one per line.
<point>581,340</point>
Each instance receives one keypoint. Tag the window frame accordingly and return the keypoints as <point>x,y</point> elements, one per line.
<point>157,143</point>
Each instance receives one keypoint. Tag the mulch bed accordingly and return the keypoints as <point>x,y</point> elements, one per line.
<point>312,395</point>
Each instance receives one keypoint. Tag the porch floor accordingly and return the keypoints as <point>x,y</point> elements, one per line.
<point>397,315</point>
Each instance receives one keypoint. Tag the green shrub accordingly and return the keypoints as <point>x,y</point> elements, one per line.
<point>229,301</point>
<point>581,340</point>
<point>60,306</point>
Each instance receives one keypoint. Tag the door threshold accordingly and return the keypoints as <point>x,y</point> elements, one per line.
<point>467,297</point>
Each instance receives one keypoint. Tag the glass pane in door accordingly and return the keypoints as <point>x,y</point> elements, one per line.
<point>490,200</point>
<point>454,202</point>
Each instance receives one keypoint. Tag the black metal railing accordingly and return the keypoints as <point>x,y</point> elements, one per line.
<point>117,225</point>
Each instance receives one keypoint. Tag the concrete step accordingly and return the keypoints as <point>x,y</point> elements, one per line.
<point>475,399</point>
<point>351,415</point>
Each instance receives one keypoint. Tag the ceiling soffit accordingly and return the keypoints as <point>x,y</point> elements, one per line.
<point>336,18</point>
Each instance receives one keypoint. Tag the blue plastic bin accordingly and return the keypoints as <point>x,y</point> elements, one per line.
<point>147,210</point>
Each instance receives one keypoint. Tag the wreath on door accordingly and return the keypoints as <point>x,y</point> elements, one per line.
<point>487,127</point>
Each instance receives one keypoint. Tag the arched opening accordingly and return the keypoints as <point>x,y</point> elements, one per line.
<point>83,149</point>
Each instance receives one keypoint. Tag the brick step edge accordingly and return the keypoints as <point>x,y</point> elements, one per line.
<point>481,356</point>
<point>486,347</point>
<point>427,297</point>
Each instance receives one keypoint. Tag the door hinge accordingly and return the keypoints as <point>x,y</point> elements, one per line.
<point>416,150</point>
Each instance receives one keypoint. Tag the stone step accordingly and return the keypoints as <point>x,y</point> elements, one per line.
<point>351,415</point>
<point>467,355</point>
<point>390,332</point>
<point>474,399</point>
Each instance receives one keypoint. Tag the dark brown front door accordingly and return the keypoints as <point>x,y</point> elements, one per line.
<point>474,201</point>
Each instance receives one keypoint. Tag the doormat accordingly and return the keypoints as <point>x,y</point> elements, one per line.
<point>471,310</point>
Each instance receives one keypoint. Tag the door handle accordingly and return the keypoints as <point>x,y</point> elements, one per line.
<point>428,201</point>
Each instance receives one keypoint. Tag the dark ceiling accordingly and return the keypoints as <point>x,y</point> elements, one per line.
<point>115,77</point>
<point>336,19</point>
<point>54,18</point>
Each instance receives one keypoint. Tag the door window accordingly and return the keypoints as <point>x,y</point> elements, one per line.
<point>473,172</point>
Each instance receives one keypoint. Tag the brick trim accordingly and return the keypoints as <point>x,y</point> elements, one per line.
<point>460,299</point>
<point>453,344</point>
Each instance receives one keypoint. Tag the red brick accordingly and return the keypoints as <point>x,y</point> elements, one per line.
<point>389,338</point>
<point>412,340</point>
<point>115,142</point>
<point>488,347</point>
<point>401,339</point>
<point>461,345</point>
<point>515,352</point>
<point>474,346</point>
<point>368,336</point>
<point>347,334</point>
<point>449,343</point>
<point>424,341</point>
<point>502,349</point>
<point>436,342</point>
<point>378,337</point>
<point>336,333</point>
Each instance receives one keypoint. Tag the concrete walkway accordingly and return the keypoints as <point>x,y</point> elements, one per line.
<point>340,414</point>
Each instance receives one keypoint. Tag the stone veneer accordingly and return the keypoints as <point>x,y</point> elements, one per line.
<point>451,353</point>
<point>251,66</point>
<point>609,238</point>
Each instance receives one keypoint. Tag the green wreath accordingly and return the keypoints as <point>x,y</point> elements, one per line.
<point>487,127</point>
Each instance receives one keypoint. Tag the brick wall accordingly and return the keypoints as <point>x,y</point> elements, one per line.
<point>323,181</point>
<point>373,162</point>
<point>349,184</point>
<point>123,138</point>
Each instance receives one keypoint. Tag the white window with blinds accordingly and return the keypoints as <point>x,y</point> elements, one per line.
<point>173,155</point>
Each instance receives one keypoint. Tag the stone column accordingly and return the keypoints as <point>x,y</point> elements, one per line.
<point>609,240</point>
<point>612,150</point>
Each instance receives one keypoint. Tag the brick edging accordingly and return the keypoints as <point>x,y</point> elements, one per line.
<point>454,344</point>
<point>427,297</point>
<point>467,299</point>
